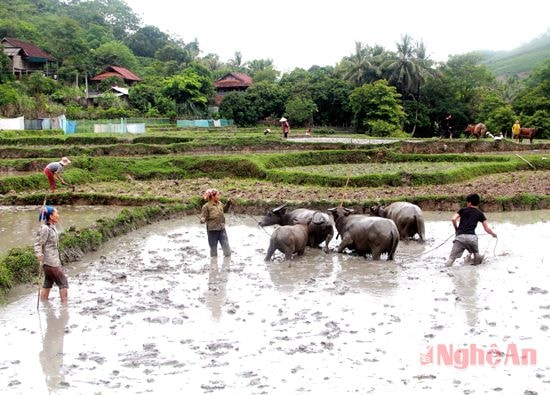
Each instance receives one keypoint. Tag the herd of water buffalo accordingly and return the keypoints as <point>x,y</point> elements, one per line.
<point>375,234</point>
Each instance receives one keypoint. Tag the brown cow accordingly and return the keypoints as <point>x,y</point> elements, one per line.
<point>477,130</point>
<point>525,133</point>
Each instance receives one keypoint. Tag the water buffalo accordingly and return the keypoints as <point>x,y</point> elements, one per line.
<point>477,130</point>
<point>320,224</point>
<point>407,216</point>
<point>525,133</point>
<point>288,239</point>
<point>365,234</point>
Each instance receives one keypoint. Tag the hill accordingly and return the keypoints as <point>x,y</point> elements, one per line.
<point>521,60</point>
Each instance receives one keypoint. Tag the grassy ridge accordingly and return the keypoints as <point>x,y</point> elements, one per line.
<point>272,167</point>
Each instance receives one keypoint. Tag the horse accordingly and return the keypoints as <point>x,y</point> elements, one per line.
<point>527,133</point>
<point>477,130</point>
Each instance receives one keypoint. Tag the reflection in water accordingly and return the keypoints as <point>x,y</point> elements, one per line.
<point>51,356</point>
<point>378,278</point>
<point>217,282</point>
<point>302,271</point>
<point>18,224</point>
<point>465,280</point>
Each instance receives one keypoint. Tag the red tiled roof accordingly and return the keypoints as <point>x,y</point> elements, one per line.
<point>233,80</point>
<point>30,50</point>
<point>115,71</point>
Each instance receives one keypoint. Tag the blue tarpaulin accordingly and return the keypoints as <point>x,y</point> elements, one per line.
<point>203,123</point>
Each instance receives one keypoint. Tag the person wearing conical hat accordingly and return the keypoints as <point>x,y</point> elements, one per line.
<point>285,127</point>
<point>53,171</point>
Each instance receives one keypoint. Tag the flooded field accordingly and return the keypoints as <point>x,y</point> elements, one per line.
<point>18,224</point>
<point>152,313</point>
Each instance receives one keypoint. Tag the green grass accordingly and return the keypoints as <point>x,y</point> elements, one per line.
<point>358,169</point>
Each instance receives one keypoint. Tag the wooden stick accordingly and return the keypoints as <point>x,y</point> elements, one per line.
<point>42,218</point>
<point>345,188</point>
<point>526,161</point>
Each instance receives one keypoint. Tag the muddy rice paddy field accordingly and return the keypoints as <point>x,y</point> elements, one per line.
<point>150,312</point>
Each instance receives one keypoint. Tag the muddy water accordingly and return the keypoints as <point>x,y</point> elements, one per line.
<point>18,224</point>
<point>151,313</point>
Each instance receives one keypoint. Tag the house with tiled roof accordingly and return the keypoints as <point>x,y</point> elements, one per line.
<point>119,72</point>
<point>27,58</point>
<point>231,82</point>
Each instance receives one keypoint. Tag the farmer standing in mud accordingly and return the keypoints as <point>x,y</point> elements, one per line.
<point>53,171</point>
<point>212,213</point>
<point>466,238</point>
<point>46,249</point>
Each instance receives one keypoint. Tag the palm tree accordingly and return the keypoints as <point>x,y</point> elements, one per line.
<point>237,61</point>
<point>212,62</point>
<point>361,66</point>
<point>408,70</point>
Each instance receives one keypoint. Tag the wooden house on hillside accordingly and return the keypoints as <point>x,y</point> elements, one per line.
<point>231,82</point>
<point>27,58</point>
<point>121,73</point>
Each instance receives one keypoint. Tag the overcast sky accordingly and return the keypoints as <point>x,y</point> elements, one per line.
<point>301,33</point>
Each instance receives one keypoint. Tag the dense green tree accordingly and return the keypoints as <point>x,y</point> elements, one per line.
<point>300,110</point>
<point>146,41</point>
<point>96,34</point>
<point>37,84</point>
<point>5,69</point>
<point>464,76</point>
<point>501,119</point>
<point>331,96</point>
<point>296,83</point>
<point>239,108</point>
<point>173,52</point>
<point>114,14</point>
<point>376,108</point>
<point>21,29</point>
<point>143,96</point>
<point>8,95</point>
<point>533,104</point>
<point>189,90</point>
<point>268,99</point>
<point>66,41</point>
<point>114,53</point>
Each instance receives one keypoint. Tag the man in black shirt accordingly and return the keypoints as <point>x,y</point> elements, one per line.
<point>466,239</point>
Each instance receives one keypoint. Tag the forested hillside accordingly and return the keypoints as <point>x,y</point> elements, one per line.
<point>375,90</point>
<point>521,60</point>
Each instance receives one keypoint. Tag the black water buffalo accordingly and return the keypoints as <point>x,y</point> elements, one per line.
<point>288,239</point>
<point>365,234</point>
<point>407,216</point>
<point>320,224</point>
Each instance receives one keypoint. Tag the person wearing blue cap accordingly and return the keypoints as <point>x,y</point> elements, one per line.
<point>46,249</point>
